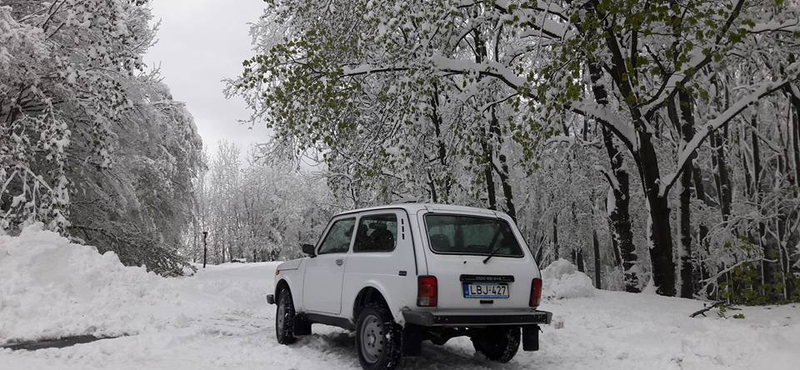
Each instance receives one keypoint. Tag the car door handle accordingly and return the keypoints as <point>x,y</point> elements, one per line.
<point>339,262</point>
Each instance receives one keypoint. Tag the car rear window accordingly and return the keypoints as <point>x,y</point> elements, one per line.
<point>455,234</point>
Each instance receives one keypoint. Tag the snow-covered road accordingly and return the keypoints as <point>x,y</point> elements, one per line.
<point>229,326</point>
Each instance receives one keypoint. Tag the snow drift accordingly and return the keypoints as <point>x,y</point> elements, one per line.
<point>561,279</point>
<point>53,288</point>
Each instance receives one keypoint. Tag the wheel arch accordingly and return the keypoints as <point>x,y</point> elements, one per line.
<point>285,284</point>
<point>281,285</point>
<point>373,293</point>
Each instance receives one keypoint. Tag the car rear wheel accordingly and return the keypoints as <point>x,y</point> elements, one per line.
<point>284,318</point>
<point>497,343</point>
<point>378,338</point>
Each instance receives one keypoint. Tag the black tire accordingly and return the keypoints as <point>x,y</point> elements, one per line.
<point>497,343</point>
<point>284,318</point>
<point>378,338</point>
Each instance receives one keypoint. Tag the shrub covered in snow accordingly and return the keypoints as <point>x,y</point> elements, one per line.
<point>53,288</point>
<point>561,279</point>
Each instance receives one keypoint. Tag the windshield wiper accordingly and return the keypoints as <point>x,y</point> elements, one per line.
<point>491,254</point>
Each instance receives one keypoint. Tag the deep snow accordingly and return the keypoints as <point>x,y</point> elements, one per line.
<point>563,280</point>
<point>51,288</point>
<point>218,319</point>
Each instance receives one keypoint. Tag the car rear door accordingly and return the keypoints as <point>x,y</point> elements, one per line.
<point>322,286</point>
<point>466,280</point>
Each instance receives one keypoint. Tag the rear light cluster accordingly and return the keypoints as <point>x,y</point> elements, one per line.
<point>427,291</point>
<point>536,292</point>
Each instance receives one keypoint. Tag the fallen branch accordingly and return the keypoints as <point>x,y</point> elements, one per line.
<point>708,308</point>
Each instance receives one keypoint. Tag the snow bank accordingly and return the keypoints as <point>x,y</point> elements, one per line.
<point>561,279</point>
<point>52,288</point>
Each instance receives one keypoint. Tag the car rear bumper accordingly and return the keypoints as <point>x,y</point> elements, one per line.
<point>443,318</point>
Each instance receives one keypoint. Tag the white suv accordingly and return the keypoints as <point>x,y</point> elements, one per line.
<point>401,274</point>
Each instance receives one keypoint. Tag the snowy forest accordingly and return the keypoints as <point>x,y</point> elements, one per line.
<point>655,144</point>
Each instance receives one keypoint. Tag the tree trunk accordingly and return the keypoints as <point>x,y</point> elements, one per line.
<point>555,237</point>
<point>614,246</point>
<point>577,257</point>
<point>487,174</point>
<point>502,172</point>
<point>748,180</point>
<point>796,136</point>
<point>783,265</point>
<point>507,192</point>
<point>619,216</point>
<point>686,126</point>
<point>700,272</point>
<point>756,160</point>
<point>721,177</point>
<point>597,275</point>
<point>767,268</point>
<point>441,148</point>
<point>686,236</point>
<point>432,188</point>
<point>481,55</point>
<point>660,231</point>
<point>699,188</point>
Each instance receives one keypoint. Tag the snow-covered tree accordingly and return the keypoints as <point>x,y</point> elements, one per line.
<point>257,210</point>
<point>90,143</point>
<point>661,82</point>
<point>59,78</point>
<point>141,206</point>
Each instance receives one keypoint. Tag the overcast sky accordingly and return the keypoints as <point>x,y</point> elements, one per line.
<point>202,42</point>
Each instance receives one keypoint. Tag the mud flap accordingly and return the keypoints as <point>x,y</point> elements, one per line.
<point>301,326</point>
<point>530,338</point>
<point>412,340</point>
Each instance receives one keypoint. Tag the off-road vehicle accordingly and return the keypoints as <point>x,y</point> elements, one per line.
<point>401,274</point>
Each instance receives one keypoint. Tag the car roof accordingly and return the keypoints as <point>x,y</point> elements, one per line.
<point>412,208</point>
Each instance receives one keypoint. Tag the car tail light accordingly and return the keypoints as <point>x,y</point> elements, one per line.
<point>536,292</point>
<point>427,292</point>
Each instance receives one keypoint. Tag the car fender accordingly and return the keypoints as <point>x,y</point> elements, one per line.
<point>381,288</point>
<point>294,264</point>
<point>291,272</point>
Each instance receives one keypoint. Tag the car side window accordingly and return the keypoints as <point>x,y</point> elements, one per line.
<point>338,238</point>
<point>376,233</point>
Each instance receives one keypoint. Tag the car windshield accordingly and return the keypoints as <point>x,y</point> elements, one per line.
<point>451,234</point>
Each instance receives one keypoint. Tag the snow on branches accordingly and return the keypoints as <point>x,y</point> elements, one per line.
<point>457,98</point>
<point>61,64</point>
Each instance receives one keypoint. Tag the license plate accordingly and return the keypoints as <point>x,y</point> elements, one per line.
<point>486,290</point>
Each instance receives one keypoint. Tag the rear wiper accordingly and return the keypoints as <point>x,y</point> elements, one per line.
<point>491,254</point>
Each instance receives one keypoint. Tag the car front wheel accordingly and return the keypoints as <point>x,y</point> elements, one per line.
<point>378,338</point>
<point>497,343</point>
<point>284,318</point>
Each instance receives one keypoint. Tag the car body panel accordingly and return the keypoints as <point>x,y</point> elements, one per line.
<point>291,264</point>
<point>323,275</point>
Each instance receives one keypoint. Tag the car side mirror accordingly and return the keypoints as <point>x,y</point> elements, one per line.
<point>309,250</point>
